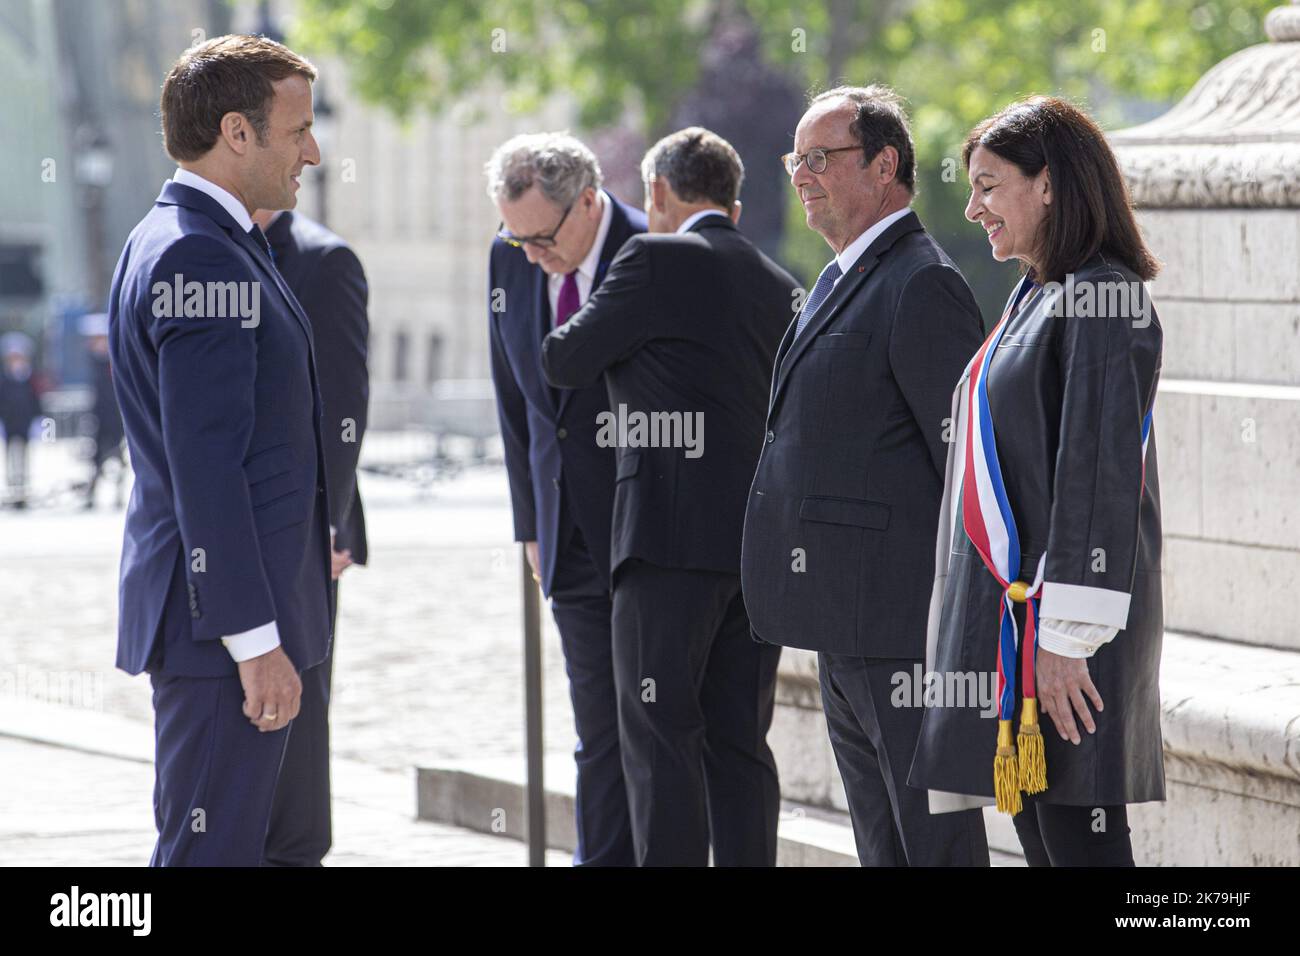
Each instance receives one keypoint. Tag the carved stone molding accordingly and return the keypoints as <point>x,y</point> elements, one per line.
<point>1234,140</point>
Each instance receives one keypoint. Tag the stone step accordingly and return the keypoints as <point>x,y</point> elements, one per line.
<point>1230,714</point>
<point>488,795</point>
<point>1227,454</point>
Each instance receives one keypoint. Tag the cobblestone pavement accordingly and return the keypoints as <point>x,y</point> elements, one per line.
<point>428,663</point>
<point>64,807</point>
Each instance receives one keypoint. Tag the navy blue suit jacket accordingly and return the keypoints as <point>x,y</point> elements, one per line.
<point>227,528</point>
<point>325,275</point>
<point>550,433</point>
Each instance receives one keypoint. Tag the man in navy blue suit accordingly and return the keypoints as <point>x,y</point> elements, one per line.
<point>225,573</point>
<point>559,232</point>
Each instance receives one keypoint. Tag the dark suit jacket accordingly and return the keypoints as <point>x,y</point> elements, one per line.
<point>326,276</point>
<point>549,433</point>
<point>851,476</point>
<point>684,325</point>
<point>223,423</point>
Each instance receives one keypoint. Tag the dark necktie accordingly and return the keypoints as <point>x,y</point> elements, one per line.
<point>567,303</point>
<point>825,282</point>
<point>260,238</point>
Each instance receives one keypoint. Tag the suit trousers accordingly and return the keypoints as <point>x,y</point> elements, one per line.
<point>1054,834</point>
<point>215,773</point>
<point>874,742</point>
<point>300,833</point>
<point>581,606</point>
<point>695,701</point>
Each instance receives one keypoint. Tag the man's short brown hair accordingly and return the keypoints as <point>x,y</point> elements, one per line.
<point>698,164</point>
<point>230,74</point>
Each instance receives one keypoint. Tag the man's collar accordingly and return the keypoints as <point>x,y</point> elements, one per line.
<point>589,264</point>
<point>695,217</point>
<point>227,200</point>
<point>853,251</point>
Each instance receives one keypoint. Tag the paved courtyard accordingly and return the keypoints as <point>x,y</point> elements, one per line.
<point>428,667</point>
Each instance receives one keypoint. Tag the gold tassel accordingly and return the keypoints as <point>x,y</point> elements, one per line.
<point>1029,745</point>
<point>1006,788</point>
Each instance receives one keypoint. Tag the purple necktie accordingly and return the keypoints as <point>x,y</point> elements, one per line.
<point>567,303</point>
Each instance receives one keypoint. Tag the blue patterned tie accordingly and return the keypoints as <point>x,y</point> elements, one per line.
<point>825,282</point>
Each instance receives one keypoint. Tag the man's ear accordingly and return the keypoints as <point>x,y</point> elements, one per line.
<point>888,164</point>
<point>237,132</point>
<point>735,212</point>
<point>659,194</point>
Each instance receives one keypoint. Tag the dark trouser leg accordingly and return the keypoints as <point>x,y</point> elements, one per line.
<point>664,622</point>
<point>874,743</point>
<point>1056,835</point>
<point>1031,840</point>
<point>301,830</point>
<point>582,610</point>
<point>738,697</point>
<point>215,774</point>
<point>16,467</point>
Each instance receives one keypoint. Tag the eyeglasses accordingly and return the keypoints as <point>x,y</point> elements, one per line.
<point>543,240</point>
<point>816,159</point>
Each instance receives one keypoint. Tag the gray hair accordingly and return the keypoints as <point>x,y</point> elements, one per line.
<point>698,164</point>
<point>879,120</point>
<point>558,164</point>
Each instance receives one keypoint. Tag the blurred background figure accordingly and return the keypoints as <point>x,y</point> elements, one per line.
<point>330,284</point>
<point>108,419</point>
<point>19,407</point>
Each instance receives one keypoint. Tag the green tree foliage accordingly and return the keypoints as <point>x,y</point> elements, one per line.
<point>956,61</point>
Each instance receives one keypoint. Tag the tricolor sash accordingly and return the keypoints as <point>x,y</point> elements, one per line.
<point>991,526</point>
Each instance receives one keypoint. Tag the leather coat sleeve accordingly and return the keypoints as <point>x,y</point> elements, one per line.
<point>1109,367</point>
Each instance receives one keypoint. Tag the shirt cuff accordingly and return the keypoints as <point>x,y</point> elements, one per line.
<point>1074,602</point>
<point>1073,638</point>
<point>254,643</point>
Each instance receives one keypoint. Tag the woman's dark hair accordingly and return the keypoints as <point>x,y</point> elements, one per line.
<point>1091,210</point>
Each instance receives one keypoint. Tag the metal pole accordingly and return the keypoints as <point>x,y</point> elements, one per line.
<point>536,797</point>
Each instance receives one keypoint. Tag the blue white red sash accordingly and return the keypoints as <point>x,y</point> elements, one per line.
<point>991,525</point>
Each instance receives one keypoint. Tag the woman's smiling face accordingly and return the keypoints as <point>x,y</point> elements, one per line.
<point>1008,204</point>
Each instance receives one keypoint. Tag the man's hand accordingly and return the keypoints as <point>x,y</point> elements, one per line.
<point>530,550</point>
<point>1063,683</point>
<point>272,690</point>
<point>340,561</point>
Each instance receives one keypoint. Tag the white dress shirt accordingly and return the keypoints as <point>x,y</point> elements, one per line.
<point>226,198</point>
<point>853,251</point>
<point>587,268</point>
<point>695,217</point>
<point>265,637</point>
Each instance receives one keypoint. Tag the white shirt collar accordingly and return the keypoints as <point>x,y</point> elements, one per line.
<point>589,264</point>
<point>693,218</point>
<point>853,251</point>
<point>228,202</point>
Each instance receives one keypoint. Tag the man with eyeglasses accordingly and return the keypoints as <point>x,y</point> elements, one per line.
<point>558,234</point>
<point>839,541</point>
